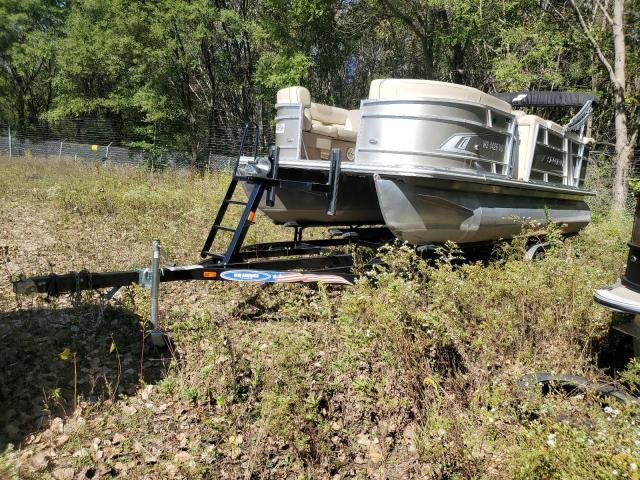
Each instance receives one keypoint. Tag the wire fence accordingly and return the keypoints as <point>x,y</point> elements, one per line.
<point>97,140</point>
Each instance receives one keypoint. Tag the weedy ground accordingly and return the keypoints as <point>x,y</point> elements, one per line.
<point>412,373</point>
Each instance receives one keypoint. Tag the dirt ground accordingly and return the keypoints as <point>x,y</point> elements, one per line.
<point>411,374</point>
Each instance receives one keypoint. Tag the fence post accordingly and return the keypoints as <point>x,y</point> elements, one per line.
<point>9,142</point>
<point>107,153</point>
<point>209,161</point>
<point>60,151</point>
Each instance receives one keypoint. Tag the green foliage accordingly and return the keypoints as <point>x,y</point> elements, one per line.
<point>631,375</point>
<point>9,463</point>
<point>179,75</point>
<point>168,386</point>
<point>28,32</point>
<point>191,394</point>
<point>275,71</point>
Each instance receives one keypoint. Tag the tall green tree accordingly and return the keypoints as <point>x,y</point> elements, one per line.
<point>28,29</point>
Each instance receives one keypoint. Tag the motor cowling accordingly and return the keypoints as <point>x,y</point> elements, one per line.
<point>631,277</point>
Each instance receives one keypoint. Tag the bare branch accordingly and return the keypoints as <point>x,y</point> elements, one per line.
<point>595,45</point>
<point>604,11</point>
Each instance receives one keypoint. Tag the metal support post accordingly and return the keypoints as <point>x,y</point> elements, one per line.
<point>334,181</point>
<point>60,151</point>
<point>150,278</point>
<point>271,191</point>
<point>155,282</point>
<point>9,142</point>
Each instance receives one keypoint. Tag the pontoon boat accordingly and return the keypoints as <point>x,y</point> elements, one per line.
<point>435,161</point>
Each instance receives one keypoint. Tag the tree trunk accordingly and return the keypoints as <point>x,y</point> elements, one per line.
<point>623,155</point>
<point>427,54</point>
<point>623,151</point>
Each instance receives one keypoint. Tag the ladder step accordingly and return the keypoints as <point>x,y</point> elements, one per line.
<point>211,254</point>
<point>235,202</point>
<point>226,229</point>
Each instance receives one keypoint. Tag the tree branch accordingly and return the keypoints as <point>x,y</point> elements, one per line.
<point>595,46</point>
<point>406,19</point>
<point>604,12</point>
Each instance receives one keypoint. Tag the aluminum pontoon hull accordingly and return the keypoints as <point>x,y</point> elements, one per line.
<point>424,211</point>
<point>425,206</point>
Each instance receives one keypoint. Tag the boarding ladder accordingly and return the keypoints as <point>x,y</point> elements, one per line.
<point>262,175</point>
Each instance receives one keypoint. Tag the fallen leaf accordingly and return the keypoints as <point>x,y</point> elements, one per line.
<point>61,440</point>
<point>39,461</point>
<point>83,452</point>
<point>375,453</point>
<point>64,473</point>
<point>129,410</point>
<point>182,457</point>
<point>57,425</point>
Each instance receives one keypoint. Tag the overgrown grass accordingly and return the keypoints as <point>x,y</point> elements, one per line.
<point>412,372</point>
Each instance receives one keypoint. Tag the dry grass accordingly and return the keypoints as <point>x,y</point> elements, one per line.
<point>409,374</point>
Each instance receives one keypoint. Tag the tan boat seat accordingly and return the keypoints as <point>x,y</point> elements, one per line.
<point>294,95</point>
<point>322,129</point>
<point>346,134</point>
<point>408,88</point>
<point>327,114</point>
<point>333,122</point>
<point>349,131</point>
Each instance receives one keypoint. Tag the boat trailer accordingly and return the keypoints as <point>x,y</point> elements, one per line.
<point>296,261</point>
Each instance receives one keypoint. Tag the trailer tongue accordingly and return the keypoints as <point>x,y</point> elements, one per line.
<point>332,269</point>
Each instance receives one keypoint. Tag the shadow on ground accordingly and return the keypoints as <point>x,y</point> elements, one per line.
<point>37,385</point>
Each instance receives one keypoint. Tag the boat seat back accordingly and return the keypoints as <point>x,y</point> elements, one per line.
<point>327,114</point>
<point>294,95</point>
<point>400,88</point>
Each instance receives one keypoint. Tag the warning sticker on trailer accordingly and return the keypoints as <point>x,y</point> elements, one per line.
<point>266,276</point>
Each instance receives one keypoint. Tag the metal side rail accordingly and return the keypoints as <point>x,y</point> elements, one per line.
<point>367,237</point>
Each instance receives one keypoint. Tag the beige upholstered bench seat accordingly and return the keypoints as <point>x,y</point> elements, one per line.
<point>400,88</point>
<point>326,120</point>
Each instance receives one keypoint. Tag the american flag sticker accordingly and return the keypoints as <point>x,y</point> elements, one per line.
<point>265,276</point>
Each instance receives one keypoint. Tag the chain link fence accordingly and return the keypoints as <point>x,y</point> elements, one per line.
<point>101,141</point>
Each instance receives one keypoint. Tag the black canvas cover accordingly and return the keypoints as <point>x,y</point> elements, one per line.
<point>546,99</point>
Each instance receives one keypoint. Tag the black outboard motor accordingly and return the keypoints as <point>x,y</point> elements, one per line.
<point>624,295</point>
<point>631,277</point>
